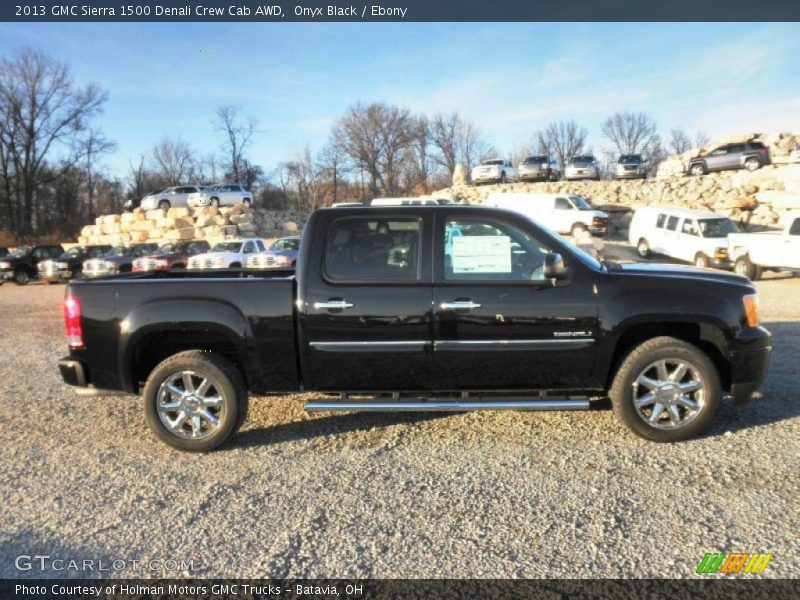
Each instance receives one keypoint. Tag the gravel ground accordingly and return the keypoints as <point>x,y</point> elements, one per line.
<point>569,494</point>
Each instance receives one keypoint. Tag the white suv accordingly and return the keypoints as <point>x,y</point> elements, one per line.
<point>226,194</point>
<point>495,170</point>
<point>229,254</point>
<point>170,197</point>
<point>585,166</point>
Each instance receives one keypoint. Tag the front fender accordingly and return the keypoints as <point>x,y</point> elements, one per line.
<point>176,316</point>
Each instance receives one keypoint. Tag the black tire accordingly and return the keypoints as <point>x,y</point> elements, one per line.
<point>235,265</point>
<point>22,277</point>
<point>746,268</point>
<point>164,205</point>
<point>577,228</point>
<point>228,383</point>
<point>701,261</point>
<point>503,177</point>
<point>697,169</point>
<point>643,248</point>
<point>654,350</point>
<point>214,202</point>
<point>752,164</point>
<point>247,202</point>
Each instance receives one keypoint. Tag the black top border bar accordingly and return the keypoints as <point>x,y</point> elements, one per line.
<point>400,11</point>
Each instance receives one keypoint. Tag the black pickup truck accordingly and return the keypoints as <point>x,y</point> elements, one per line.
<point>421,308</point>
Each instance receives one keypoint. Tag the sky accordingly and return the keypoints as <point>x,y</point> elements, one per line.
<point>296,79</point>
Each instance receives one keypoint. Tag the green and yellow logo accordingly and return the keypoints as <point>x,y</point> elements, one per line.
<point>733,563</point>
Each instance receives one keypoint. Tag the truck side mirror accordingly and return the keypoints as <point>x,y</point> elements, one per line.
<point>554,267</point>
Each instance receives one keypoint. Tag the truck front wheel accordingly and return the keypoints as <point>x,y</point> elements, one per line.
<point>666,390</point>
<point>745,267</point>
<point>194,400</point>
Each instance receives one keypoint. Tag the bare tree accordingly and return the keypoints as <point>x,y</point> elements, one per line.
<point>94,145</point>
<point>238,133</point>
<point>679,141</point>
<point>562,140</point>
<point>42,112</point>
<point>701,139</point>
<point>374,138</point>
<point>630,132</point>
<point>174,160</point>
<point>331,162</point>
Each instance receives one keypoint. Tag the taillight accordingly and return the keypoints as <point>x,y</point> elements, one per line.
<point>765,150</point>
<point>72,321</point>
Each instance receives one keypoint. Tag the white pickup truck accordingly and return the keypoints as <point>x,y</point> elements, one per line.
<point>753,253</point>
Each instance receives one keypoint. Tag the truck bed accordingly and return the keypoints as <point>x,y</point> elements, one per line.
<point>127,318</point>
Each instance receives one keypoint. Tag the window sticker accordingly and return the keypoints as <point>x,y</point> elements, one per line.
<point>481,254</point>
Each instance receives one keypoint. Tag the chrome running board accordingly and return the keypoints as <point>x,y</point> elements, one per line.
<point>444,405</point>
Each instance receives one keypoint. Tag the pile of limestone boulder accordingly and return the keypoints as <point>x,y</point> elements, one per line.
<point>174,224</point>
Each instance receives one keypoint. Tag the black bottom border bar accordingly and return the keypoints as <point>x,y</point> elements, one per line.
<point>350,589</point>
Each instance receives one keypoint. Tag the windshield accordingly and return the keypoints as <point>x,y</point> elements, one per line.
<point>117,251</point>
<point>717,228</point>
<point>171,249</point>
<point>630,158</point>
<point>492,162</point>
<point>582,159</point>
<point>290,244</point>
<point>75,252</point>
<point>227,247</point>
<point>536,159</point>
<point>20,252</point>
<point>580,203</point>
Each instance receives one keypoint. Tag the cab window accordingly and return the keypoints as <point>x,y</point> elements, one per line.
<point>359,248</point>
<point>488,250</point>
<point>672,223</point>
<point>689,228</point>
<point>660,221</point>
<point>563,204</point>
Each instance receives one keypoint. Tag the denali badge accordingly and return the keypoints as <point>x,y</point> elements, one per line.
<point>572,333</point>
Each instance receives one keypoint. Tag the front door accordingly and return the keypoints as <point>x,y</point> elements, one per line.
<point>366,321</point>
<point>498,323</point>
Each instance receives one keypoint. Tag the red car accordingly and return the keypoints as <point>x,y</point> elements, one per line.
<point>172,255</point>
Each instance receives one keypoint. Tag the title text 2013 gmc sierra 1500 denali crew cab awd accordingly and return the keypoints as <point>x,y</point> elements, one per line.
<point>421,308</point>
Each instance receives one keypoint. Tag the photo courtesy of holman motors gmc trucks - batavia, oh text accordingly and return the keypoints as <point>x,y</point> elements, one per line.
<point>421,308</point>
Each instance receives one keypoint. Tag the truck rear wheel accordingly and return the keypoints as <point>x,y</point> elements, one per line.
<point>666,390</point>
<point>195,400</point>
<point>746,268</point>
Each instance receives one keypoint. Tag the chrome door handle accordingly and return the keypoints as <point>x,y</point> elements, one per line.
<point>460,305</point>
<point>333,304</point>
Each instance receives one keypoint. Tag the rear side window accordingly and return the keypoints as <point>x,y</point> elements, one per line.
<point>672,223</point>
<point>563,204</point>
<point>660,221</point>
<point>373,249</point>
<point>689,227</point>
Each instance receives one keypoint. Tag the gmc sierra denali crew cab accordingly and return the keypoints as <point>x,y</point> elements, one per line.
<point>420,308</point>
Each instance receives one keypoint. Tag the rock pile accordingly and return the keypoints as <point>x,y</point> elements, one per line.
<point>756,199</point>
<point>204,223</point>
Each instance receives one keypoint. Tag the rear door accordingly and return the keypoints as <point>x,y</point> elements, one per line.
<point>366,314</point>
<point>498,323</point>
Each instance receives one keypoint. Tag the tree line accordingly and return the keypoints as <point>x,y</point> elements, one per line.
<point>52,178</point>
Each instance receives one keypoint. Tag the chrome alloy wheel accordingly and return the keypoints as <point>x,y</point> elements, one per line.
<point>669,394</point>
<point>190,405</point>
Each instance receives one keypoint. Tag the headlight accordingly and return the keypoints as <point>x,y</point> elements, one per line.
<point>751,309</point>
<point>162,263</point>
<point>109,265</point>
<point>5,265</point>
<point>219,262</point>
<point>62,265</point>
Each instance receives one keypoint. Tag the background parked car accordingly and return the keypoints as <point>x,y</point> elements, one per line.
<point>750,156</point>
<point>21,265</point>
<point>70,264</point>
<point>494,170</point>
<point>281,254</point>
<point>229,254</point>
<point>631,166</point>
<point>222,195</point>
<point>689,235</point>
<point>753,253</point>
<point>563,213</point>
<point>117,260</point>
<point>176,196</point>
<point>794,155</point>
<point>172,255</point>
<point>539,168</point>
<point>584,166</point>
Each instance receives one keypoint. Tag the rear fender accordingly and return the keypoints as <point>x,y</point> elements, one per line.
<point>178,316</point>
